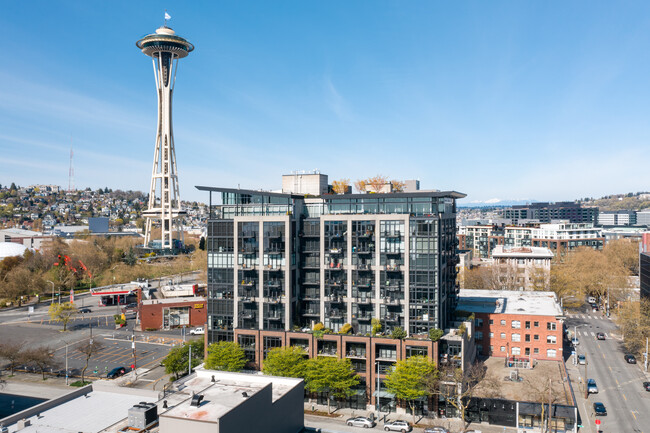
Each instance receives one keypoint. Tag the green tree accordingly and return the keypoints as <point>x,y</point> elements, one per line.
<point>286,362</point>
<point>436,334</point>
<point>334,377</point>
<point>398,333</point>
<point>226,356</point>
<point>177,360</point>
<point>376,326</point>
<point>62,313</point>
<point>408,381</point>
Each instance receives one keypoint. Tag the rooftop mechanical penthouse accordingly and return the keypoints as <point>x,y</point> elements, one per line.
<point>282,261</point>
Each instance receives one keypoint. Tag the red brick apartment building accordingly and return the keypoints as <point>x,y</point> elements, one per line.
<point>173,312</point>
<point>517,324</point>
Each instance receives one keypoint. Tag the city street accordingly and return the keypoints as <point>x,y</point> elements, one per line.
<point>619,383</point>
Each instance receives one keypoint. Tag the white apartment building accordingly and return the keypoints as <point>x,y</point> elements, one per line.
<point>523,266</point>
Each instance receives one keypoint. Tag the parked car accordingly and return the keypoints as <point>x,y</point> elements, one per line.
<point>582,360</point>
<point>600,336</point>
<point>436,430</point>
<point>592,388</point>
<point>398,425</point>
<point>646,386</point>
<point>197,331</point>
<point>630,359</point>
<point>599,409</point>
<point>575,341</point>
<point>360,421</point>
<point>84,310</point>
<point>591,300</point>
<point>473,431</point>
<point>116,372</point>
<point>594,307</point>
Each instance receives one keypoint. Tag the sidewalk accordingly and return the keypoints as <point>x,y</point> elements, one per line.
<point>339,416</point>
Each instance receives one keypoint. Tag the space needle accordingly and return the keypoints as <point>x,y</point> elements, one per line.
<point>165,49</point>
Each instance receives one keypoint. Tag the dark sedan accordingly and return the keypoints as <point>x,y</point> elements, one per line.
<point>646,386</point>
<point>630,359</point>
<point>599,409</point>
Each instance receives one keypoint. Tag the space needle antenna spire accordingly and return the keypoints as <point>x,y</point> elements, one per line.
<point>164,207</point>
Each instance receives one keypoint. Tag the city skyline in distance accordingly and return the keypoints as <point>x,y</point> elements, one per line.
<point>503,100</point>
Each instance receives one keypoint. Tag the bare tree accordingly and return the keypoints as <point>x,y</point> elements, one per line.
<point>88,349</point>
<point>13,352</point>
<point>457,386</point>
<point>40,357</point>
<point>541,391</point>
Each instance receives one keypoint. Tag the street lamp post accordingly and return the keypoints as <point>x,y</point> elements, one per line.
<point>66,361</point>
<point>377,392</point>
<point>52,300</point>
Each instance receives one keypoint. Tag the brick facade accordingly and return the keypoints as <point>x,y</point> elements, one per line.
<point>151,313</point>
<point>502,334</point>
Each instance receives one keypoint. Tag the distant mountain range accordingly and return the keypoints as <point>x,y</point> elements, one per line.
<point>493,202</point>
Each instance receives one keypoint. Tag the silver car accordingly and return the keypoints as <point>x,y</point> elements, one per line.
<point>436,430</point>
<point>360,421</point>
<point>398,425</point>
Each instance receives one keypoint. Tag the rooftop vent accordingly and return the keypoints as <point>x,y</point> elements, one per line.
<point>244,394</point>
<point>196,400</point>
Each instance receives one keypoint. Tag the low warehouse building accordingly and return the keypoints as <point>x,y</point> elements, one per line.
<point>172,313</point>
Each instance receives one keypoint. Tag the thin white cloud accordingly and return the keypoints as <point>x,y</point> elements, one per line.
<point>335,101</point>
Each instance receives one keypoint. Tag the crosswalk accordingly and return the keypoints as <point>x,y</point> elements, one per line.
<point>590,333</point>
<point>587,316</point>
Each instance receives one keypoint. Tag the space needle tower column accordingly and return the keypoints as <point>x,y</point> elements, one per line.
<point>165,49</point>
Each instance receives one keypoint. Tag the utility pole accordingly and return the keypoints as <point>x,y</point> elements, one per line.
<point>135,365</point>
<point>646,355</point>
<point>189,364</point>
<point>66,364</point>
<point>586,380</point>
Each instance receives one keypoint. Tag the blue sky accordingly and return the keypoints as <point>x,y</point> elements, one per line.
<point>509,100</point>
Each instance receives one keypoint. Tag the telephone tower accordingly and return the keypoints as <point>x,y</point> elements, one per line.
<point>165,49</point>
<point>71,170</point>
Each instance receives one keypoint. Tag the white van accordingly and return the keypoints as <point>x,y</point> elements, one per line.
<point>591,300</point>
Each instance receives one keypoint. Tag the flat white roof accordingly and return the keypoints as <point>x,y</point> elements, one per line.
<point>522,252</point>
<point>509,302</point>
<point>93,412</point>
<point>225,393</point>
<point>179,300</point>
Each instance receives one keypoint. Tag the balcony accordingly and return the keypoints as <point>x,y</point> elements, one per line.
<point>274,235</point>
<point>273,284</point>
<point>311,265</point>
<point>336,250</point>
<point>356,353</point>
<point>311,296</point>
<point>364,251</point>
<point>248,299</point>
<point>364,300</point>
<point>335,283</point>
<point>247,315</point>
<point>391,300</point>
<point>248,266</point>
<point>312,282</point>
<point>335,266</point>
<point>274,251</point>
<point>367,234</point>
<point>392,234</point>
<point>335,314</point>
<point>364,266</point>
<point>335,298</point>
<point>392,318</point>
<point>363,284</point>
<point>275,316</point>
<point>364,317</point>
<point>248,283</point>
<point>393,268</point>
<point>273,299</point>
<point>309,233</point>
<point>273,267</point>
<point>311,313</point>
<point>327,352</point>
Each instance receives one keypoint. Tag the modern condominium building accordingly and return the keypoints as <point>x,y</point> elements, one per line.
<point>277,261</point>
<point>546,212</point>
<point>281,262</point>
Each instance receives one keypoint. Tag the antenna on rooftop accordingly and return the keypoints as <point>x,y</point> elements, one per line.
<point>71,170</point>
